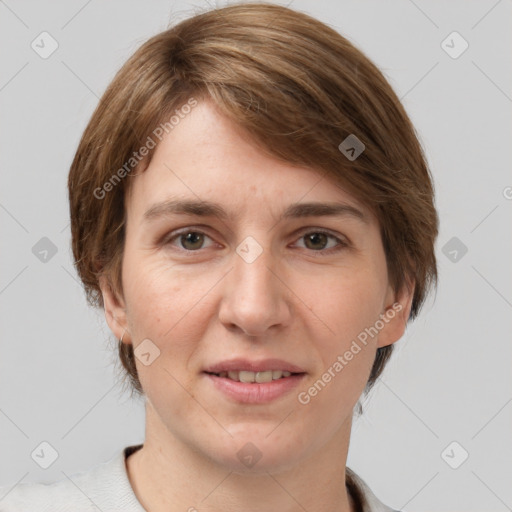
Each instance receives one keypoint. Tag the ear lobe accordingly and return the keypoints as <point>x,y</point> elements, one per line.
<point>115,310</point>
<point>395,316</point>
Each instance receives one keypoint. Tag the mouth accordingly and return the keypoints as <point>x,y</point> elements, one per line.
<point>261,377</point>
<point>246,381</point>
<point>253,387</point>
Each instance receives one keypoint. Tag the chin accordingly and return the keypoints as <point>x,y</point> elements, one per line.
<point>254,451</point>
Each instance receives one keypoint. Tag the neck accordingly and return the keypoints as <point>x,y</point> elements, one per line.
<point>167,474</point>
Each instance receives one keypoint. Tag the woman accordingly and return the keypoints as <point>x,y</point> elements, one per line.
<point>252,209</point>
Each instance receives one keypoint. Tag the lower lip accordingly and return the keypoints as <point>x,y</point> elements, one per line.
<point>253,392</point>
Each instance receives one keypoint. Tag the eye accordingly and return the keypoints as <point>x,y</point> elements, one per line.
<point>320,240</point>
<point>189,240</point>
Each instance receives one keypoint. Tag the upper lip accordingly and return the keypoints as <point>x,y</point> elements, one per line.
<point>253,366</point>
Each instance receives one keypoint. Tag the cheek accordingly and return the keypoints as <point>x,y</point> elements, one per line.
<point>167,305</point>
<point>156,294</point>
<point>162,307</point>
<point>346,304</point>
<point>344,301</point>
<point>153,302</point>
<point>153,307</point>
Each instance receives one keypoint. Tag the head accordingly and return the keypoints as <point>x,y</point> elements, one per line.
<point>248,107</point>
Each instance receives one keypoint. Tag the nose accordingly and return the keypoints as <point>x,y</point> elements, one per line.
<point>256,299</point>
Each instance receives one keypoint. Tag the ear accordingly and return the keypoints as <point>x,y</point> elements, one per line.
<point>115,311</point>
<point>395,315</point>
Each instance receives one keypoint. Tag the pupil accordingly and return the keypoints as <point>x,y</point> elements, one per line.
<point>315,238</point>
<point>192,238</point>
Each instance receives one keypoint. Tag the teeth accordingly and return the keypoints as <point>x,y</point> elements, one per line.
<point>246,376</point>
<point>259,377</point>
<point>264,376</point>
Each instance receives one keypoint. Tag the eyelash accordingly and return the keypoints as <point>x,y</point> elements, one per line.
<point>342,244</point>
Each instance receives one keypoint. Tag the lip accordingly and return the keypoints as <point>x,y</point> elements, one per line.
<point>253,366</point>
<point>253,392</point>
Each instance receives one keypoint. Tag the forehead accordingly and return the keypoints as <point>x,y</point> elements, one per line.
<point>207,157</point>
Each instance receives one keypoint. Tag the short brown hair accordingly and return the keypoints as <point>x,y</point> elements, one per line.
<point>299,89</point>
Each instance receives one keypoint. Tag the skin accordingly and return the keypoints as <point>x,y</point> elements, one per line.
<point>199,302</point>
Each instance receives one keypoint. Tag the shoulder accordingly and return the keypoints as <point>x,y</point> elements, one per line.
<point>37,497</point>
<point>363,495</point>
<point>104,487</point>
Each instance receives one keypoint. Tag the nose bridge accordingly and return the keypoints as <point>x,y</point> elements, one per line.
<point>251,269</point>
<point>254,299</point>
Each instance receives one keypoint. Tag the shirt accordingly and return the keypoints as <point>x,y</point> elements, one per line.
<point>106,488</point>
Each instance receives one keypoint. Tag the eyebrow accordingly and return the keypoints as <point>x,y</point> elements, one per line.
<point>209,209</point>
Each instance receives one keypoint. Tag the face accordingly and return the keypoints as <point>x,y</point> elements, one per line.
<point>255,281</point>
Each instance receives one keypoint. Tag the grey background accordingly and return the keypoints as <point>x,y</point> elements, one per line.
<point>449,379</point>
